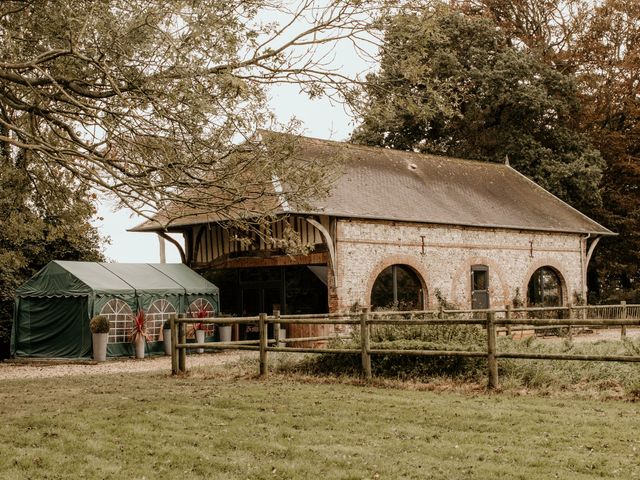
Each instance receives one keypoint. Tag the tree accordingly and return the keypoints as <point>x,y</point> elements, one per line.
<point>549,28</point>
<point>596,42</point>
<point>452,84</point>
<point>608,55</point>
<point>39,222</point>
<point>149,99</point>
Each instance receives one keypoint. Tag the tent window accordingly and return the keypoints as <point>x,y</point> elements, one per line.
<point>199,308</point>
<point>200,305</point>
<point>158,312</point>
<point>120,319</point>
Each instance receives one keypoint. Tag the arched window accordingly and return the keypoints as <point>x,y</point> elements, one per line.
<point>200,305</point>
<point>120,319</point>
<point>159,312</point>
<point>397,287</point>
<point>545,288</point>
<point>200,308</point>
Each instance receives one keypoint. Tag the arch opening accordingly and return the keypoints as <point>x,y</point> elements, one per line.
<point>398,287</point>
<point>200,308</point>
<point>545,288</point>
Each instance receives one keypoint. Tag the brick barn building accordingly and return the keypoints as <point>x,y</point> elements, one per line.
<point>402,230</point>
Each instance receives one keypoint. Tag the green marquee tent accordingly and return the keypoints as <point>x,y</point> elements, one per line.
<point>53,309</point>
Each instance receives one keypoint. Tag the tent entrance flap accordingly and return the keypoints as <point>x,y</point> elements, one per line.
<point>53,328</point>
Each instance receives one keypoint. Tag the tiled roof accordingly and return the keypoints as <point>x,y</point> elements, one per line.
<point>380,183</point>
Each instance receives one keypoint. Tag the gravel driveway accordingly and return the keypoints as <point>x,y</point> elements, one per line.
<point>10,371</point>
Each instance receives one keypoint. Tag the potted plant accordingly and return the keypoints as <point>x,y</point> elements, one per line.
<point>199,329</point>
<point>139,334</point>
<point>166,337</point>
<point>99,326</point>
<point>224,331</point>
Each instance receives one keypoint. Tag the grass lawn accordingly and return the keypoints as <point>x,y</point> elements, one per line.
<point>219,426</point>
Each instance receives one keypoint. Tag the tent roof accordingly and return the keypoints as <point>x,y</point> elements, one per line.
<point>64,278</point>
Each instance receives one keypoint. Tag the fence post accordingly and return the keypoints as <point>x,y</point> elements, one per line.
<point>623,315</point>
<point>182,338</point>
<point>507,316</point>
<point>364,344</point>
<point>570,314</point>
<point>276,327</point>
<point>174,340</point>
<point>491,350</point>
<point>262,329</point>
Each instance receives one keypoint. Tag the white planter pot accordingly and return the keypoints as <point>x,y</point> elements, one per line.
<point>283,335</point>
<point>139,344</point>
<point>200,339</point>
<point>225,333</point>
<point>166,336</point>
<point>99,346</point>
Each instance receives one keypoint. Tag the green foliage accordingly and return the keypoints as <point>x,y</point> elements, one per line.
<point>608,51</point>
<point>43,217</point>
<point>149,99</point>
<point>597,43</point>
<point>453,84</point>
<point>442,300</point>
<point>410,337</point>
<point>99,324</point>
<point>557,375</point>
<point>548,375</point>
<point>514,373</point>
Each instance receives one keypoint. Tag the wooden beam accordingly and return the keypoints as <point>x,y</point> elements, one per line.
<point>197,242</point>
<point>330,246</point>
<point>592,247</point>
<point>171,240</point>
<point>272,261</point>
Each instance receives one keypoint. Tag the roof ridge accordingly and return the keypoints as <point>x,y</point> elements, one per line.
<point>387,149</point>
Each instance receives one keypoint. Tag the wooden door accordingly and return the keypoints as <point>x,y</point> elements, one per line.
<point>479,287</point>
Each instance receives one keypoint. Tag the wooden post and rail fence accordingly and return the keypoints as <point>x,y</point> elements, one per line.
<point>509,319</point>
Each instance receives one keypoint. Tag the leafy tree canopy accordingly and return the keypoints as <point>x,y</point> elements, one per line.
<point>608,55</point>
<point>148,99</point>
<point>598,43</point>
<point>453,84</point>
<point>39,222</point>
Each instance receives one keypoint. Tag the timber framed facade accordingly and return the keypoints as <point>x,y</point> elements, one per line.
<point>400,230</point>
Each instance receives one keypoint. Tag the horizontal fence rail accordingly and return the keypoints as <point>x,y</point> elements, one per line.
<point>492,321</point>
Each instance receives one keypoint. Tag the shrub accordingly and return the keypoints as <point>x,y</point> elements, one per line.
<point>563,374</point>
<point>584,376</point>
<point>410,337</point>
<point>99,324</point>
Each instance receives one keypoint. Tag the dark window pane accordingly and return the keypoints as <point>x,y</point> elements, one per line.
<point>480,279</point>
<point>544,289</point>
<point>397,287</point>
<point>382,292</point>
